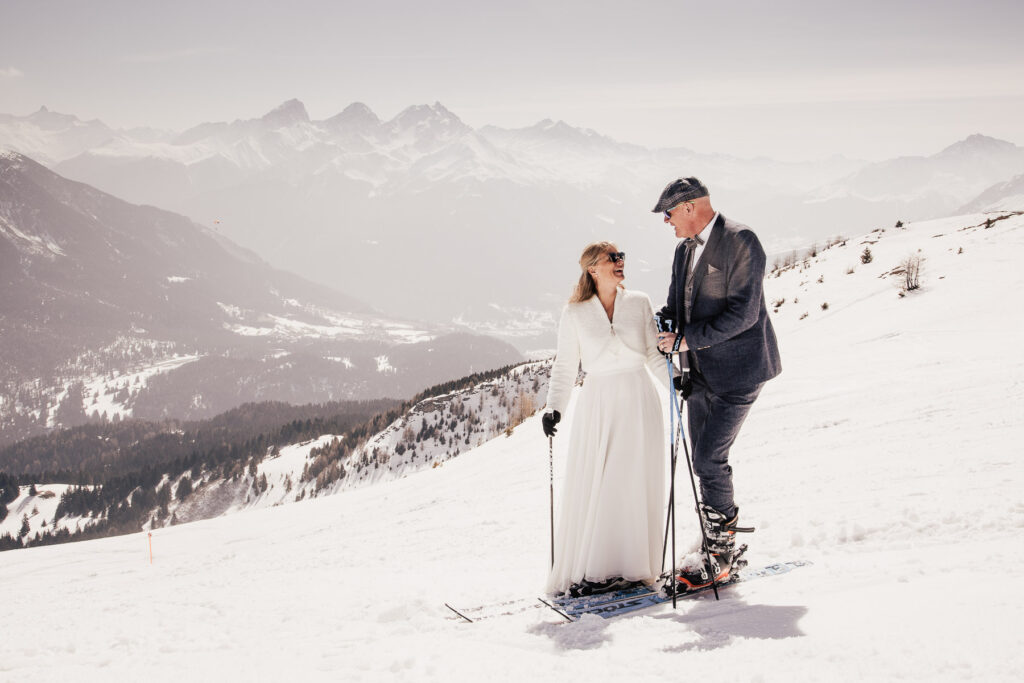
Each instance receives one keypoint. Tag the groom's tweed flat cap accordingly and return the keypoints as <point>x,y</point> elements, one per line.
<point>678,191</point>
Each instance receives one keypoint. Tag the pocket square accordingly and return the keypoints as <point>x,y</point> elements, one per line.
<point>712,269</point>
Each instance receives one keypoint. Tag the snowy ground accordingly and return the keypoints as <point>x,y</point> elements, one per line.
<point>888,453</point>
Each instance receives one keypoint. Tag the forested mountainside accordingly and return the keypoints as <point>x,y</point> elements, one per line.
<point>100,480</point>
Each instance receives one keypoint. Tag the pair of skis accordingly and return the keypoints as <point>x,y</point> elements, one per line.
<point>614,603</point>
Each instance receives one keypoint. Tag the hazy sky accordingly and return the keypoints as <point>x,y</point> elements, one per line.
<point>792,80</point>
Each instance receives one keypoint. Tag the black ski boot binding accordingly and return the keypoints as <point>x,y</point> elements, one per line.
<point>587,587</point>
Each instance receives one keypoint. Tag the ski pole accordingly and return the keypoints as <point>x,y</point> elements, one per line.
<point>673,440</point>
<point>672,473</point>
<point>672,481</point>
<point>551,488</point>
<point>665,325</point>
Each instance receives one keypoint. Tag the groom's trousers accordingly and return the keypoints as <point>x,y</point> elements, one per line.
<point>715,420</point>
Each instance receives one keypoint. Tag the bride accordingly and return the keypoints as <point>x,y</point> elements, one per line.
<point>609,530</point>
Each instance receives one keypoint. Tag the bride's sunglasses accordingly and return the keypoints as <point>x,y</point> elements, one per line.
<point>617,256</point>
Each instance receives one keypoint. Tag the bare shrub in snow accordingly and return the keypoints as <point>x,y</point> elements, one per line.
<point>911,267</point>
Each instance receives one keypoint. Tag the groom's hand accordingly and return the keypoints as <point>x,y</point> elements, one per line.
<point>667,343</point>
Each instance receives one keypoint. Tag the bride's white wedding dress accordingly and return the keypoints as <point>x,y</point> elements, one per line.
<point>612,510</point>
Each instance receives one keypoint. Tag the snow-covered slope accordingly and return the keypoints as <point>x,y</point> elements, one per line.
<point>887,453</point>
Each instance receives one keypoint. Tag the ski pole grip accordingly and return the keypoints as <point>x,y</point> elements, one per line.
<point>664,323</point>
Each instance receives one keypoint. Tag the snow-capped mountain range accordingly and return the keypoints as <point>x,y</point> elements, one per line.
<point>115,310</point>
<point>883,453</point>
<point>402,213</point>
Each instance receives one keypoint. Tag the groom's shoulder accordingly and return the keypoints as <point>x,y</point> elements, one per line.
<point>739,234</point>
<point>732,227</point>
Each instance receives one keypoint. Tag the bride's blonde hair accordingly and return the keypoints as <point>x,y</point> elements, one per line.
<point>586,287</point>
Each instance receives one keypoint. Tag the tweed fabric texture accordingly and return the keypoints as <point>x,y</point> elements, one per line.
<point>678,191</point>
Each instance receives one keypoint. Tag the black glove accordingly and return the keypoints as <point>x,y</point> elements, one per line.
<point>683,384</point>
<point>549,421</point>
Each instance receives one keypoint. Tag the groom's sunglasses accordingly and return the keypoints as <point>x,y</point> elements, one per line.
<point>668,214</point>
<point>617,256</point>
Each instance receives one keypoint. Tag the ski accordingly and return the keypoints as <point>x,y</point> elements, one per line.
<point>519,605</point>
<point>504,608</point>
<point>613,603</point>
<point>587,601</point>
<point>623,602</point>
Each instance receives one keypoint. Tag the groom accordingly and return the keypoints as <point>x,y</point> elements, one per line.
<point>728,345</point>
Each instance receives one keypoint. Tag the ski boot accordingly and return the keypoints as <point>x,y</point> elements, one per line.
<point>724,555</point>
<point>587,587</point>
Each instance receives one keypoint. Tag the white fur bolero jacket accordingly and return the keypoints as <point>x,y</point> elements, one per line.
<point>584,333</point>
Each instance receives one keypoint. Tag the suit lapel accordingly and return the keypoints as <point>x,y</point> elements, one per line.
<point>700,268</point>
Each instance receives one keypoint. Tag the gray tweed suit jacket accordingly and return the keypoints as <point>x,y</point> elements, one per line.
<point>731,339</point>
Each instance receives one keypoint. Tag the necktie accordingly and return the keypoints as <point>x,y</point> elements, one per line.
<point>690,245</point>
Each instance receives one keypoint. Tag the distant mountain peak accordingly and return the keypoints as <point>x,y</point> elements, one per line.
<point>45,112</point>
<point>290,112</point>
<point>358,109</point>
<point>977,143</point>
<point>436,113</point>
<point>563,131</point>
<point>561,125</point>
<point>355,115</point>
<point>44,116</point>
